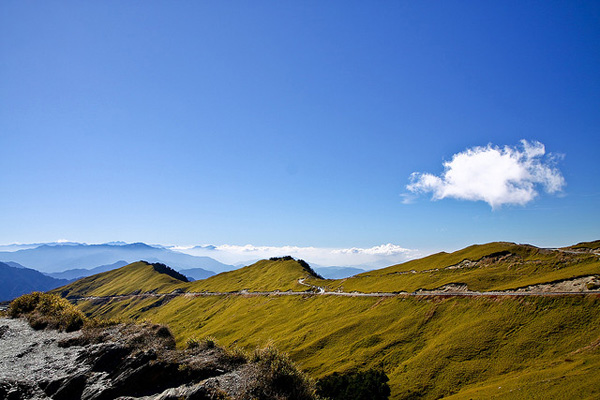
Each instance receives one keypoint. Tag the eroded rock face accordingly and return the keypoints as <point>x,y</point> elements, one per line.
<point>29,357</point>
<point>123,361</point>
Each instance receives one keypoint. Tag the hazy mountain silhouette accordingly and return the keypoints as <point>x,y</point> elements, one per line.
<point>83,272</point>
<point>17,281</point>
<point>14,264</point>
<point>58,257</point>
<point>196,273</point>
<point>338,272</point>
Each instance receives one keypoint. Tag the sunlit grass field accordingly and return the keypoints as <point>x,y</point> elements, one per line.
<point>497,266</point>
<point>430,347</point>
<point>494,266</point>
<point>138,277</point>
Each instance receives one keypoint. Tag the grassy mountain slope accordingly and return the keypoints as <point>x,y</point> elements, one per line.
<point>493,266</point>
<point>265,275</point>
<point>429,347</point>
<point>595,245</point>
<point>138,277</point>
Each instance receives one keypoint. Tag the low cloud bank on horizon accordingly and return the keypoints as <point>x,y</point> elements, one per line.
<point>367,258</point>
<point>509,175</point>
<point>373,257</point>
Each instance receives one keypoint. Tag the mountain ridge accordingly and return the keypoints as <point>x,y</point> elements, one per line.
<point>17,281</point>
<point>277,274</point>
<point>429,346</point>
<point>78,273</point>
<point>496,266</point>
<point>483,267</point>
<point>58,258</point>
<point>134,278</point>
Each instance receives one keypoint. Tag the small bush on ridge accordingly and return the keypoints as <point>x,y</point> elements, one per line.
<point>592,286</point>
<point>365,385</point>
<point>278,377</point>
<point>208,342</point>
<point>44,310</point>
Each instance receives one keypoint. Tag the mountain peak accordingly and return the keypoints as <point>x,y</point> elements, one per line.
<point>305,266</point>
<point>277,273</point>
<point>138,245</point>
<point>137,277</point>
<point>165,269</point>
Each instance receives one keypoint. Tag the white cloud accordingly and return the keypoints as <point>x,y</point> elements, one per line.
<point>498,176</point>
<point>383,250</point>
<point>373,257</point>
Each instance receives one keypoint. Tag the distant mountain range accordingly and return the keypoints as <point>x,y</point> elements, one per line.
<point>83,272</point>
<point>59,257</point>
<point>16,280</point>
<point>14,264</point>
<point>24,246</point>
<point>532,345</point>
<point>45,266</point>
<point>196,273</point>
<point>337,272</point>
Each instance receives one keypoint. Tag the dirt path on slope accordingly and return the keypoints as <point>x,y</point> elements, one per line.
<point>575,286</point>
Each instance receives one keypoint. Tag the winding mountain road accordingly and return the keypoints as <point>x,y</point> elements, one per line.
<point>446,291</point>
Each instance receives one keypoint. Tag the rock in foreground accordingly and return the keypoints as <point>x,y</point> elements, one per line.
<point>129,361</point>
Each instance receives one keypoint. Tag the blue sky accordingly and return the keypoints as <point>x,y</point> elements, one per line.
<point>282,123</point>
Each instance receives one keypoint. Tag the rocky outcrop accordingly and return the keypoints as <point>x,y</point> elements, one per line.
<point>124,361</point>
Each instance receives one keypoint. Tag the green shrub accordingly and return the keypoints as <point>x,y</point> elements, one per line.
<point>192,343</point>
<point>23,304</point>
<point>92,323</point>
<point>366,385</point>
<point>47,311</point>
<point>234,355</point>
<point>278,377</point>
<point>592,285</point>
<point>208,342</point>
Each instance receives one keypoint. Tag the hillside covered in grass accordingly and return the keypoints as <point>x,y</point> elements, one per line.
<point>429,347</point>
<point>278,273</point>
<point>488,267</point>
<point>585,246</point>
<point>138,277</point>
